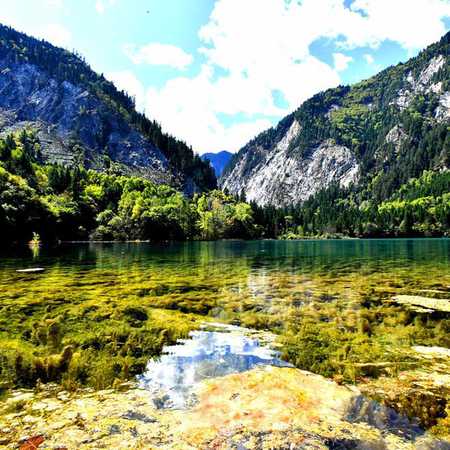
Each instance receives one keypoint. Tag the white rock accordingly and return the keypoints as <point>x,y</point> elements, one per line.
<point>282,178</point>
<point>422,84</point>
<point>443,110</point>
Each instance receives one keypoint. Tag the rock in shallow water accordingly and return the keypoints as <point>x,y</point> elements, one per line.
<point>269,407</point>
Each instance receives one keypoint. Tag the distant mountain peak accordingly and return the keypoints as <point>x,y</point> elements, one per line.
<point>218,160</point>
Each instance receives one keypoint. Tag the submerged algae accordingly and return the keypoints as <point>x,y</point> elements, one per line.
<point>116,305</point>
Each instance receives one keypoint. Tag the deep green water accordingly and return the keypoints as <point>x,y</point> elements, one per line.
<point>330,301</point>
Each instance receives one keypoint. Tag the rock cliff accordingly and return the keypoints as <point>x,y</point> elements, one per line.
<point>80,117</point>
<point>375,132</point>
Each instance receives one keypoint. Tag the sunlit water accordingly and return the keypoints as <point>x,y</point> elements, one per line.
<point>173,377</point>
<point>271,285</point>
<point>264,272</point>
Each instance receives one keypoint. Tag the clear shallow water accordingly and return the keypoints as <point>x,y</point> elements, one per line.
<point>256,284</point>
<point>256,270</point>
<point>211,353</point>
<point>329,302</point>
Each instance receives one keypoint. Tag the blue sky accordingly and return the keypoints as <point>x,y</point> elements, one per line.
<point>216,72</point>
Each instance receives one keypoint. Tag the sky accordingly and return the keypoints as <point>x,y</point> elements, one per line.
<point>215,73</point>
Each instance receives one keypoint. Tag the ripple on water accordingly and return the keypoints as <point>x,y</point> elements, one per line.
<point>211,353</point>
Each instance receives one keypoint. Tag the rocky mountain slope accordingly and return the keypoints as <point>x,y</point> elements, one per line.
<point>80,117</point>
<point>374,135</point>
<point>218,160</point>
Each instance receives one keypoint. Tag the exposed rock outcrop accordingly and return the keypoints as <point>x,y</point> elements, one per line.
<point>64,115</point>
<point>270,407</point>
<point>420,84</point>
<point>281,178</point>
<point>361,134</point>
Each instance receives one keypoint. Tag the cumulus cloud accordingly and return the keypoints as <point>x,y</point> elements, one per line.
<point>262,47</point>
<point>54,33</point>
<point>413,24</point>
<point>182,108</point>
<point>159,55</point>
<point>126,81</point>
<point>341,61</point>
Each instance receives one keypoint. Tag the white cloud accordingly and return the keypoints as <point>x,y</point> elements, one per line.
<point>413,24</point>
<point>369,58</point>
<point>159,55</point>
<point>55,33</point>
<point>54,3</point>
<point>263,46</point>
<point>341,61</point>
<point>126,81</point>
<point>182,109</point>
<point>101,5</point>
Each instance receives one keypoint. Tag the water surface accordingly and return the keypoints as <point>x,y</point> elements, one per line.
<point>303,290</point>
<point>212,352</point>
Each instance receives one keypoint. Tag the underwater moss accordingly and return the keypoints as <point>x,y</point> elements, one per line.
<point>116,306</point>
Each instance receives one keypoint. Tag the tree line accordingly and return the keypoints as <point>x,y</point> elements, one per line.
<point>72,203</point>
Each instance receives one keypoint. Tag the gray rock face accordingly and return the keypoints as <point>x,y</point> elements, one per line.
<point>443,110</point>
<point>423,83</point>
<point>283,178</point>
<point>64,115</point>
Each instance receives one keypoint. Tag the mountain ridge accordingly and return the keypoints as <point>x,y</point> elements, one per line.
<point>57,94</point>
<point>375,134</point>
<point>218,160</point>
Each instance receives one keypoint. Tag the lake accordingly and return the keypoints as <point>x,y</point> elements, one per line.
<point>99,312</point>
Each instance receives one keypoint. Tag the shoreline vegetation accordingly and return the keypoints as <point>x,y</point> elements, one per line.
<point>280,238</point>
<point>56,203</point>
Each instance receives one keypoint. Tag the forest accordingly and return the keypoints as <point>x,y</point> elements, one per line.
<point>419,208</point>
<point>60,203</point>
<point>71,203</point>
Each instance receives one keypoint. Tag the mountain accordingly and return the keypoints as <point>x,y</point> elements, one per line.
<point>218,160</point>
<point>81,118</point>
<point>371,137</point>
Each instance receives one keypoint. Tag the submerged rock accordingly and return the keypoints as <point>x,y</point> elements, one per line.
<point>423,304</point>
<point>423,394</point>
<point>263,408</point>
<point>31,270</point>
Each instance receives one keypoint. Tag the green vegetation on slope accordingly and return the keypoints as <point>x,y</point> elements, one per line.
<point>420,207</point>
<point>399,149</point>
<point>18,48</point>
<point>61,203</point>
